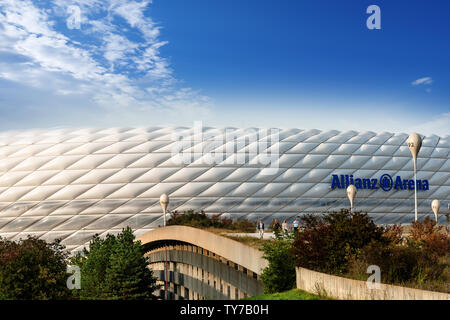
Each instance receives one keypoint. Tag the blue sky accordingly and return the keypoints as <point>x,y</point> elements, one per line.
<point>286,63</point>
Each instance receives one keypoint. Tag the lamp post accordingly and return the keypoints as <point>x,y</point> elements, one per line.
<point>351,193</point>
<point>164,201</point>
<point>414,144</point>
<point>435,205</point>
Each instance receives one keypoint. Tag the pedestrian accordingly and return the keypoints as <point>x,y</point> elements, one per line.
<point>295,224</point>
<point>285,226</point>
<point>261,229</point>
<point>276,225</point>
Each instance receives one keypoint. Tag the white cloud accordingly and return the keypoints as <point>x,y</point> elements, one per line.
<point>117,47</point>
<point>439,125</point>
<point>55,54</point>
<point>424,81</point>
<point>101,64</point>
<point>132,12</point>
<point>26,16</point>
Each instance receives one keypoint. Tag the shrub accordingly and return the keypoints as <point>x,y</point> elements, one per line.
<point>447,218</point>
<point>328,242</point>
<point>243,225</point>
<point>421,261</point>
<point>347,244</point>
<point>310,221</point>
<point>191,218</point>
<point>201,220</point>
<point>393,234</point>
<point>398,264</point>
<point>33,269</point>
<point>420,230</point>
<point>311,249</point>
<point>431,237</point>
<point>279,275</point>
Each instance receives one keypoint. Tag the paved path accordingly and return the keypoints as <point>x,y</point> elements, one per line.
<point>267,235</point>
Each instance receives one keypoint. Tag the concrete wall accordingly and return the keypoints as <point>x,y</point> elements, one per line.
<point>343,288</point>
<point>229,249</point>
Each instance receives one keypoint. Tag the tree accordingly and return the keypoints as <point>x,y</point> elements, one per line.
<point>328,242</point>
<point>115,268</point>
<point>279,275</point>
<point>93,264</point>
<point>33,269</point>
<point>430,236</point>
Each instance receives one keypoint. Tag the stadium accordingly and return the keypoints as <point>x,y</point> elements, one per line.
<point>74,183</point>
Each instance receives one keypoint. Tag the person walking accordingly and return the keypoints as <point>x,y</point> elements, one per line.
<point>285,226</point>
<point>261,229</point>
<point>276,225</point>
<point>296,224</point>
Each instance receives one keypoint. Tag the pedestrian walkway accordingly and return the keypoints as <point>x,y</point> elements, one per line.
<point>267,235</point>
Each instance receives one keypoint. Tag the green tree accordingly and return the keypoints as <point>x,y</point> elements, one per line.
<point>93,264</point>
<point>115,268</point>
<point>33,269</point>
<point>279,275</point>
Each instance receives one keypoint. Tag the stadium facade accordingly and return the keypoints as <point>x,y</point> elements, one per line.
<point>74,183</point>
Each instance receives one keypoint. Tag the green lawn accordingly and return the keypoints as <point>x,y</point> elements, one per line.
<point>294,294</point>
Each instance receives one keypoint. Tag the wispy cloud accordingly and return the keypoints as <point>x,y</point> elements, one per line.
<point>108,63</point>
<point>438,125</point>
<point>422,81</point>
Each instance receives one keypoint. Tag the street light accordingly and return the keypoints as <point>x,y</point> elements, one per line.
<point>164,201</point>
<point>435,205</point>
<point>414,144</point>
<point>351,193</point>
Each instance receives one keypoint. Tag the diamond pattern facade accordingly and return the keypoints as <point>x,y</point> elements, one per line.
<point>72,184</point>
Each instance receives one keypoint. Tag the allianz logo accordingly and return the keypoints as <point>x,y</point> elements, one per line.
<point>385,182</point>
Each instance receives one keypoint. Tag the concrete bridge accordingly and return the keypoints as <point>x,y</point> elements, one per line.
<point>202,264</point>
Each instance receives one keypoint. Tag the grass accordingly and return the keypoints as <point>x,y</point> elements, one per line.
<point>249,241</point>
<point>294,294</point>
<point>219,226</point>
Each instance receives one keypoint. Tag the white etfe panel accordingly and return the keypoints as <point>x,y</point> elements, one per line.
<point>73,183</point>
